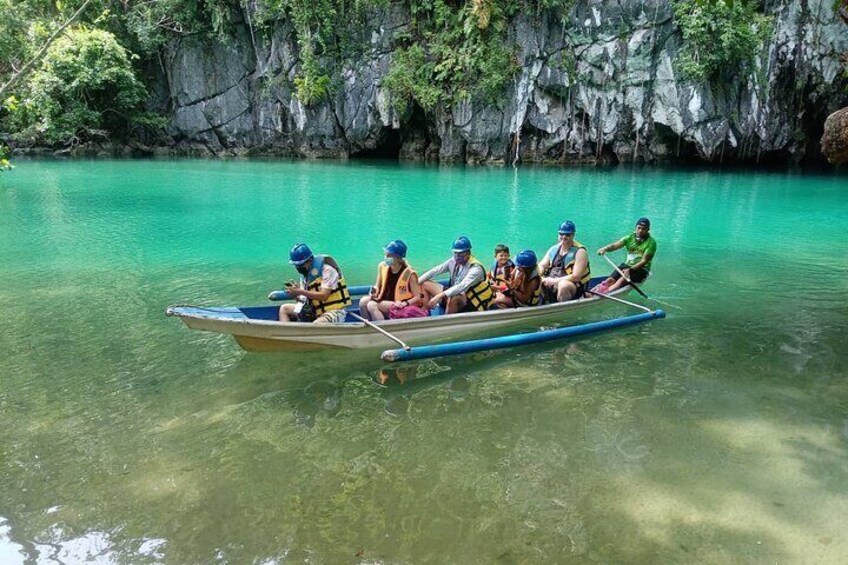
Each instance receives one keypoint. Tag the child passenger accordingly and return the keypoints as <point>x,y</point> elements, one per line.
<point>524,288</point>
<point>502,268</point>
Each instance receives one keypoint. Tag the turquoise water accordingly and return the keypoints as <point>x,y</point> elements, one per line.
<point>717,435</point>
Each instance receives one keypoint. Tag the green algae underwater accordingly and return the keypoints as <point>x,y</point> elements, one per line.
<point>717,435</point>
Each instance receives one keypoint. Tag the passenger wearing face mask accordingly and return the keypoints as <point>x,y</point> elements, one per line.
<point>468,289</point>
<point>641,248</point>
<point>396,293</point>
<point>322,293</point>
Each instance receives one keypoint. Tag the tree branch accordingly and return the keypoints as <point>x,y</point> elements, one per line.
<point>38,56</point>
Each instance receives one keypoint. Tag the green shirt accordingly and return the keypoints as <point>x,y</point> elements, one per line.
<point>635,250</point>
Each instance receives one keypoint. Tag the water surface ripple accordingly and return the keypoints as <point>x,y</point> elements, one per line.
<point>717,435</point>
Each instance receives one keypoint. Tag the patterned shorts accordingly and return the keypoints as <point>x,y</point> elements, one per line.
<point>331,317</point>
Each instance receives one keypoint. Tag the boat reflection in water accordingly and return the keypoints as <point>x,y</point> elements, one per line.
<point>392,385</point>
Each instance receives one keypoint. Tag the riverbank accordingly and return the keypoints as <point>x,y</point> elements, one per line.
<point>106,151</point>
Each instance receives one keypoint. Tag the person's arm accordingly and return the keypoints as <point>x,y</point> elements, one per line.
<point>321,294</point>
<point>581,264</point>
<point>474,275</point>
<point>516,285</point>
<point>615,245</point>
<point>646,258</point>
<point>375,293</point>
<point>329,282</point>
<point>524,297</point>
<point>545,263</point>
<point>435,271</point>
<point>415,289</point>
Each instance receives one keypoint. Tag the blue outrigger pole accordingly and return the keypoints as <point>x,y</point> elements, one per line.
<point>462,347</point>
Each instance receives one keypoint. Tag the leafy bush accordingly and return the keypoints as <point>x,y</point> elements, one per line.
<point>721,37</point>
<point>330,33</point>
<point>466,53</point>
<point>4,158</point>
<point>84,88</point>
<point>153,23</point>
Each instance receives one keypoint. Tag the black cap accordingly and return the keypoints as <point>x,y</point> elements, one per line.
<point>644,222</point>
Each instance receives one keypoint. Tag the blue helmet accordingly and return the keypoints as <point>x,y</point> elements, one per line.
<point>396,247</point>
<point>526,259</point>
<point>567,227</point>
<point>461,244</point>
<point>300,254</point>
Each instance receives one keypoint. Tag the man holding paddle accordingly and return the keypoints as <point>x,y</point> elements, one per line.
<point>641,248</point>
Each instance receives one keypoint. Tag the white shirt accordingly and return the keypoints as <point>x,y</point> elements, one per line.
<point>329,278</point>
<point>468,275</point>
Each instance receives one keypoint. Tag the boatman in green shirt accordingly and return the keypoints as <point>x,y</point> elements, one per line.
<point>641,248</point>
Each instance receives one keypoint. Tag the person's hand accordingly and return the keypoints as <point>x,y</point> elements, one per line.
<point>373,292</point>
<point>602,250</point>
<point>295,291</point>
<point>436,300</point>
<point>400,303</point>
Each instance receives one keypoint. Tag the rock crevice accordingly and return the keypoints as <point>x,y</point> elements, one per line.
<point>622,99</point>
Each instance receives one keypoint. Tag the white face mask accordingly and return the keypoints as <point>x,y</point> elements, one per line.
<point>390,261</point>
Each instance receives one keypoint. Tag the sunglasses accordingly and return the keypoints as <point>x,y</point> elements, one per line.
<point>566,235</point>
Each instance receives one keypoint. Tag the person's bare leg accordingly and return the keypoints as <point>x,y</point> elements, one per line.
<point>455,304</point>
<point>620,282</point>
<point>431,289</point>
<point>374,311</point>
<point>287,313</point>
<point>385,306</point>
<point>501,301</point>
<point>565,290</point>
<point>363,306</point>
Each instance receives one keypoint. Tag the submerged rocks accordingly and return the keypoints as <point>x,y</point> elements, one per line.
<point>603,86</point>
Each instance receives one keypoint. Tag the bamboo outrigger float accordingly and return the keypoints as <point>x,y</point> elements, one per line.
<point>256,328</point>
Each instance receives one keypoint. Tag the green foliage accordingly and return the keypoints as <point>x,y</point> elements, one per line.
<point>85,85</point>
<point>721,37</point>
<point>153,23</point>
<point>466,53</point>
<point>329,34</point>
<point>5,165</point>
<point>457,51</point>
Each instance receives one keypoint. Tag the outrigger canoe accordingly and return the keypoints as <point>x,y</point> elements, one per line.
<point>256,328</point>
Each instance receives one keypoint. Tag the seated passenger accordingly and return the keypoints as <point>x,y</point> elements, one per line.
<point>502,268</point>
<point>468,288</point>
<point>524,289</point>
<point>396,292</point>
<point>322,293</point>
<point>641,248</point>
<point>565,267</point>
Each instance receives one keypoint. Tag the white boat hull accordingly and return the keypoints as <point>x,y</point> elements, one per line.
<point>269,335</point>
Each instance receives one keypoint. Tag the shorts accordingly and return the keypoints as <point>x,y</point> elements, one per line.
<point>549,294</point>
<point>331,317</point>
<point>636,275</point>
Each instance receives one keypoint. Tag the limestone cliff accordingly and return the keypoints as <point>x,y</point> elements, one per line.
<point>623,100</point>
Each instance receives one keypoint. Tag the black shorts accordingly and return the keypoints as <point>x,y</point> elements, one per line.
<point>636,275</point>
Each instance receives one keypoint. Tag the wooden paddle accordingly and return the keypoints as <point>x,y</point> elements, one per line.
<point>381,330</point>
<point>620,300</point>
<point>620,272</point>
<point>639,290</point>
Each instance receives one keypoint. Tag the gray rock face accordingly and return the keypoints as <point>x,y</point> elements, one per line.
<point>620,99</point>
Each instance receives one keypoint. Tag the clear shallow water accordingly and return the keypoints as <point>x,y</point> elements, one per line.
<point>717,435</point>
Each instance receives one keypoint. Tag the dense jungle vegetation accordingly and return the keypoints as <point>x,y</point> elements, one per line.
<point>87,82</point>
